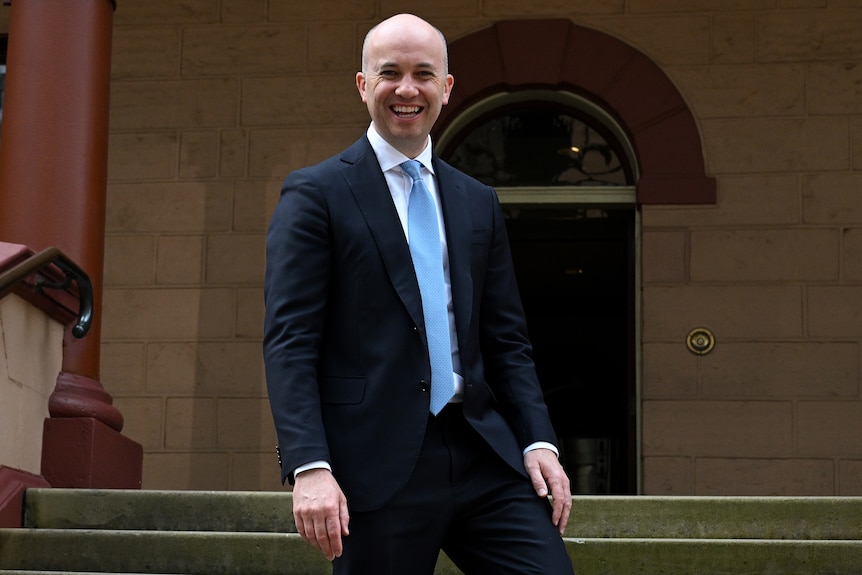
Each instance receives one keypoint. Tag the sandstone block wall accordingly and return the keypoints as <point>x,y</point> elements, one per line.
<point>215,101</point>
<point>772,268</point>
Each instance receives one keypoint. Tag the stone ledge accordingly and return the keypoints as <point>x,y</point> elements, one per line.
<point>213,553</point>
<point>798,518</point>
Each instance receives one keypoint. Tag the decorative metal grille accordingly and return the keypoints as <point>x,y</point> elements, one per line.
<point>538,145</point>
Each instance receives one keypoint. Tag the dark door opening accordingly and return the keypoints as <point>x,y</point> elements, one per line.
<point>575,270</point>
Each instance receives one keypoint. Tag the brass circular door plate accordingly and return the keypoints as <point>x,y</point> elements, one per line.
<point>700,341</point>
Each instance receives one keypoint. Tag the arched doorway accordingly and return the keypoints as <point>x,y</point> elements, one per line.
<point>565,176</point>
<point>574,235</point>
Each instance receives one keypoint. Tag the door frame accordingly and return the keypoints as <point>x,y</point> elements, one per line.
<point>590,197</point>
<point>579,198</point>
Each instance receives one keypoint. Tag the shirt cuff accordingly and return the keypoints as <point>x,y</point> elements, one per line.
<point>542,445</point>
<point>313,465</point>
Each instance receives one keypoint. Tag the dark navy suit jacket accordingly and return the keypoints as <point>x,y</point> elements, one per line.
<point>344,341</point>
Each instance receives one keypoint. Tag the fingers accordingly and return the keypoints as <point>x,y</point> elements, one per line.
<point>561,492</point>
<point>538,481</point>
<point>320,512</point>
<point>327,537</point>
<point>344,516</point>
<point>323,529</point>
<point>532,463</point>
<point>546,472</point>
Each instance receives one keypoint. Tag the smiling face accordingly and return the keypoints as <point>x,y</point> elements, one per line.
<point>404,81</point>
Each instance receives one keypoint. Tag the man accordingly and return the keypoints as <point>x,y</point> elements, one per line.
<point>388,469</point>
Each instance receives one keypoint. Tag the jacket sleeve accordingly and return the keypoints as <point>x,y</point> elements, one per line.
<point>298,265</point>
<point>507,354</point>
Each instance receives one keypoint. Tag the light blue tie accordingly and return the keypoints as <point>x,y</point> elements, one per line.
<point>425,248</point>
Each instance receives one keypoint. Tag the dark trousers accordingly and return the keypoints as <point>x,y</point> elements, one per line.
<point>462,498</point>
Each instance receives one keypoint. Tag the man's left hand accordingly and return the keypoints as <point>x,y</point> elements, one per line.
<point>546,473</point>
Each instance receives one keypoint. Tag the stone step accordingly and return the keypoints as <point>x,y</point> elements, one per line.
<point>19,572</point>
<point>159,510</point>
<point>83,550</point>
<point>217,553</point>
<point>797,518</point>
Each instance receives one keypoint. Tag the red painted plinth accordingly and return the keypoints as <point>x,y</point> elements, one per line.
<point>13,483</point>
<point>84,452</point>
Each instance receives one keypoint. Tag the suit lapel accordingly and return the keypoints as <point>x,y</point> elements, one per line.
<point>371,192</point>
<point>459,232</point>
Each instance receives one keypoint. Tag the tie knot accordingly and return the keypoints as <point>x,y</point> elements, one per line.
<point>411,168</point>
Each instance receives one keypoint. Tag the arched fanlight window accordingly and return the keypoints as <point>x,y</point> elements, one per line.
<point>535,140</point>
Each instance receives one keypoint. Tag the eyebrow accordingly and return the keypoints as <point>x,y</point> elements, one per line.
<point>423,65</point>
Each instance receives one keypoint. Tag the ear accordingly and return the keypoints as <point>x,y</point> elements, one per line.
<point>447,88</point>
<point>360,85</point>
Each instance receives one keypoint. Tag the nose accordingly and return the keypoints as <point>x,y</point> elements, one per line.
<point>406,87</point>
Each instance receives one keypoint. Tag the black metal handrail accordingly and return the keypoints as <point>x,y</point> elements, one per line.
<point>71,271</point>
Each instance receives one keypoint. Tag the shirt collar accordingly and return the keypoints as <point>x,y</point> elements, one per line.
<point>389,157</point>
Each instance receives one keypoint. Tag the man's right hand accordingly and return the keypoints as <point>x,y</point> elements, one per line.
<point>320,511</point>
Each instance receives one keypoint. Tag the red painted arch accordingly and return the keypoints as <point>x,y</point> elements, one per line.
<point>560,55</point>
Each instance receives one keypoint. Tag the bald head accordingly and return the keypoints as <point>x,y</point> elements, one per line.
<point>403,23</point>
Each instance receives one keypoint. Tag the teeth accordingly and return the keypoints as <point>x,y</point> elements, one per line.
<point>406,109</point>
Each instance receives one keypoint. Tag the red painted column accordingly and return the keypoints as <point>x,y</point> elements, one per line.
<point>53,179</point>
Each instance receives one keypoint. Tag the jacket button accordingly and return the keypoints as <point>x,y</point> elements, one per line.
<point>423,385</point>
